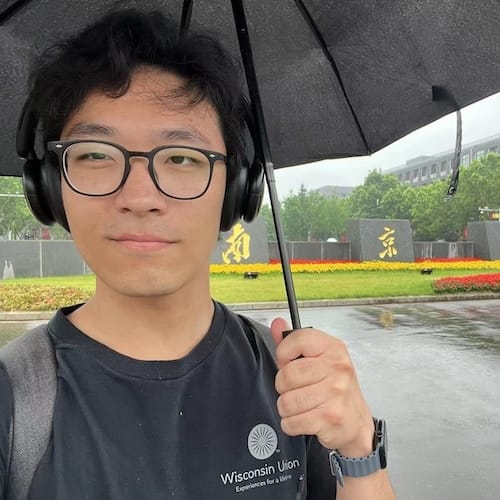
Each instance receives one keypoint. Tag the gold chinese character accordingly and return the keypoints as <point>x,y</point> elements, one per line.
<point>239,245</point>
<point>388,239</point>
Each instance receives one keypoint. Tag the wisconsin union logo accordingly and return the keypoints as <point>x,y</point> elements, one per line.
<point>262,441</point>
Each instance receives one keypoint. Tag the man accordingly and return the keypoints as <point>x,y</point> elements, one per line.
<point>161,392</point>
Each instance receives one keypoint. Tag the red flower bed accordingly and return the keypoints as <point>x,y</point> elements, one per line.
<point>473,283</point>
<point>451,259</point>
<point>319,261</point>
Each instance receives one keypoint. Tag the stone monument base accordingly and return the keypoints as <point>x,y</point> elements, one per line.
<point>486,238</point>
<point>381,239</point>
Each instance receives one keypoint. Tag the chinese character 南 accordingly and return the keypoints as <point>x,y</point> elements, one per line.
<point>239,245</point>
<point>388,241</point>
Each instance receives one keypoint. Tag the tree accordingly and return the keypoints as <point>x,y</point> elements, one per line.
<point>308,215</point>
<point>15,216</point>
<point>437,218</point>
<point>366,200</point>
<point>434,217</point>
<point>397,202</point>
<point>336,217</point>
<point>479,187</point>
<point>16,219</point>
<point>266,213</point>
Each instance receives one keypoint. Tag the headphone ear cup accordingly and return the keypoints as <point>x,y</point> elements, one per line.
<point>234,197</point>
<point>51,175</point>
<point>41,177</point>
<point>255,191</point>
<point>34,192</point>
<point>42,189</point>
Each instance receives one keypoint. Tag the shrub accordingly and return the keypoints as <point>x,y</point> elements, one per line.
<point>23,297</point>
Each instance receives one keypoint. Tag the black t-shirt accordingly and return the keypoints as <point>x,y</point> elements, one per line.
<point>201,427</point>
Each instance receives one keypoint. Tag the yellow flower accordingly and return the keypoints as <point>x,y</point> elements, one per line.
<point>377,265</point>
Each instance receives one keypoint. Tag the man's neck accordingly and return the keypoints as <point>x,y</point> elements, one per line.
<point>146,328</point>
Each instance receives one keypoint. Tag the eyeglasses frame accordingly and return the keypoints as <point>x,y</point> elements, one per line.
<point>60,148</point>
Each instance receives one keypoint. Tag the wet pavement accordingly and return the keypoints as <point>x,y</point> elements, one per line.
<point>433,371</point>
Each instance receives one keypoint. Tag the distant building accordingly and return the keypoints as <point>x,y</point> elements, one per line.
<point>426,169</point>
<point>338,191</point>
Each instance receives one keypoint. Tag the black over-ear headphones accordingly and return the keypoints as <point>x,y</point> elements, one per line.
<point>41,176</point>
<point>245,184</point>
<point>42,179</point>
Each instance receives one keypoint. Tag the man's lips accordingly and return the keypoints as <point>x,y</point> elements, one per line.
<point>142,241</point>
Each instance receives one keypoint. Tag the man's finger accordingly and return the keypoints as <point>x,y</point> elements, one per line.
<point>308,423</point>
<point>306,342</point>
<point>301,400</point>
<point>278,326</point>
<point>301,373</point>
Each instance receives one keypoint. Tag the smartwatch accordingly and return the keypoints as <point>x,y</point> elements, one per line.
<point>359,467</point>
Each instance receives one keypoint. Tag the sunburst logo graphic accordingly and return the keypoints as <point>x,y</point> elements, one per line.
<point>262,441</point>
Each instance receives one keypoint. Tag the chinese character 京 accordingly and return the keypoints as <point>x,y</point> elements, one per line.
<point>388,241</point>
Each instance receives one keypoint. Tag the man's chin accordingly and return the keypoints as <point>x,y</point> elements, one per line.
<point>137,285</point>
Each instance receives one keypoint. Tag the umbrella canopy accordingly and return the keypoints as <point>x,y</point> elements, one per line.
<point>336,79</point>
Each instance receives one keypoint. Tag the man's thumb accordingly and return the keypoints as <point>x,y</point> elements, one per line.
<point>278,326</point>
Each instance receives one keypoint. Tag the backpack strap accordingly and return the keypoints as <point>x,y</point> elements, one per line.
<point>263,330</point>
<point>30,363</point>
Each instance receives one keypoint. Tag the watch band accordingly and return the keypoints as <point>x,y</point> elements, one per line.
<point>341,466</point>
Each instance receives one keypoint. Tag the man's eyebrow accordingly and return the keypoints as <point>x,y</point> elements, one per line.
<point>181,135</point>
<point>90,129</point>
<point>168,134</point>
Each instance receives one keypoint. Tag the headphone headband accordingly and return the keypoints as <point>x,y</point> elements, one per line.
<point>26,131</point>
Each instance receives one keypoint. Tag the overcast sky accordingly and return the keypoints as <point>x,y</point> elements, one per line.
<point>479,120</point>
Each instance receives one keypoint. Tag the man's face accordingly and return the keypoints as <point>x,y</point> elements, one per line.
<point>138,241</point>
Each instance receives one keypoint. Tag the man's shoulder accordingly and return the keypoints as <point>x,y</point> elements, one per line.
<point>28,363</point>
<point>26,345</point>
<point>257,333</point>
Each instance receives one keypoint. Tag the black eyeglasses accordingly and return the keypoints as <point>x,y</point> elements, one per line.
<point>99,168</point>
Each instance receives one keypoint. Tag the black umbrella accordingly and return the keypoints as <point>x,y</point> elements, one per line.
<point>327,79</point>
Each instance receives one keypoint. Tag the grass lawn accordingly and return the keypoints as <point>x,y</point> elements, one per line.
<point>86,282</point>
<point>334,285</point>
<point>233,288</point>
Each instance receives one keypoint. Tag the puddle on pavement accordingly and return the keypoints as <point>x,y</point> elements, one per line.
<point>468,326</point>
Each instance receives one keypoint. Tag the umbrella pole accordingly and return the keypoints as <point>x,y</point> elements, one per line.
<point>264,151</point>
<point>187,12</point>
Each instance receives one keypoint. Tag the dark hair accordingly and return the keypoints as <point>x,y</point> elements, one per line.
<point>104,56</point>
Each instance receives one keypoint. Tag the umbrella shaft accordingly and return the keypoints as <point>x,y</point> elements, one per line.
<point>280,236</point>
<point>263,151</point>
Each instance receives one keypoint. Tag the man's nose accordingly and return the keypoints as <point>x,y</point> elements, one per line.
<point>139,192</point>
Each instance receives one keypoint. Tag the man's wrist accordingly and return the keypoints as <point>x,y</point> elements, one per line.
<point>364,444</point>
<point>360,466</point>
